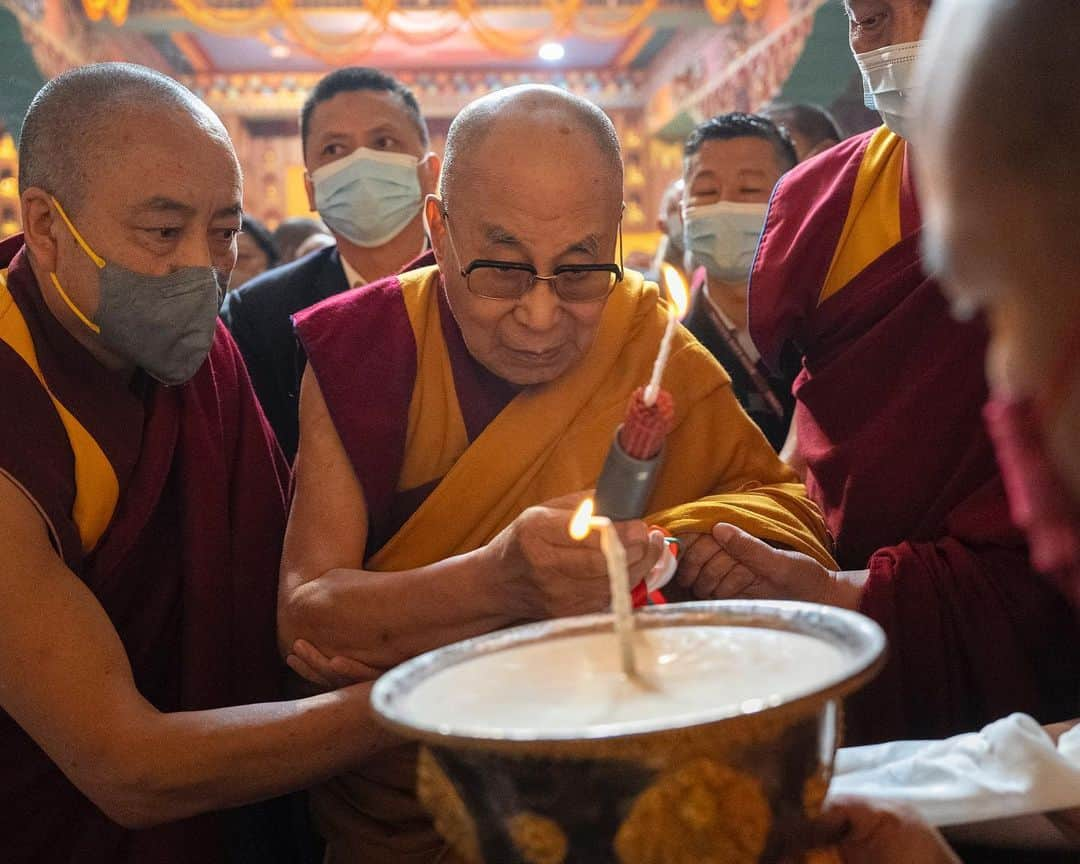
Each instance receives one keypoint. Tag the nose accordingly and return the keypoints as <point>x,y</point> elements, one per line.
<point>193,251</point>
<point>540,309</point>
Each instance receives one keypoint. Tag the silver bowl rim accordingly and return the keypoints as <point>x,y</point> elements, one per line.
<point>860,638</point>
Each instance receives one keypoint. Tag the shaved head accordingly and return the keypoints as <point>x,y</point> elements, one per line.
<point>67,127</point>
<point>1009,99</point>
<point>536,117</point>
<point>1016,122</point>
<point>998,139</point>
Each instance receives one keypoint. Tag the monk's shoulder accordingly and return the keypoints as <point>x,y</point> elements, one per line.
<point>695,367</point>
<point>820,180</point>
<point>35,452</point>
<point>364,307</point>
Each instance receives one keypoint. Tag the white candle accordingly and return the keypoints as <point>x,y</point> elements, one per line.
<point>653,389</point>
<point>618,577</point>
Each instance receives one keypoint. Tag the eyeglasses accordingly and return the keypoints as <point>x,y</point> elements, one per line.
<point>512,280</point>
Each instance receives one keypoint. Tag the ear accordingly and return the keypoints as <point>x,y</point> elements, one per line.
<point>309,187</point>
<point>436,229</point>
<point>429,173</point>
<point>40,224</point>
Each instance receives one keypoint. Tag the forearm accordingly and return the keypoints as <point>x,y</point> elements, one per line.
<point>382,619</point>
<point>180,764</point>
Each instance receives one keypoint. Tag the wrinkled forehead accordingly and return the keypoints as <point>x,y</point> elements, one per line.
<point>546,180</point>
<point>147,151</point>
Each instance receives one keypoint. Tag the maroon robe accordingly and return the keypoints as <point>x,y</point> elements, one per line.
<point>186,570</point>
<point>365,335</point>
<point>889,422</point>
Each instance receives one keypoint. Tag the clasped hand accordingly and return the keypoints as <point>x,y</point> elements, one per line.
<point>729,563</point>
<point>541,571</point>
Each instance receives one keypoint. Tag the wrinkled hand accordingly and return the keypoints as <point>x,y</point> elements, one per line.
<point>328,673</point>
<point>866,834</point>
<point>731,563</point>
<point>555,575</point>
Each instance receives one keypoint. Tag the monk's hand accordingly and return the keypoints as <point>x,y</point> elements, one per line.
<point>552,575</point>
<point>327,673</point>
<point>731,563</point>
<point>865,834</point>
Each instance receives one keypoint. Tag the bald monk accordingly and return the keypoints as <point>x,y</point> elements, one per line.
<point>449,416</point>
<point>142,499</point>
<point>888,422</point>
<point>992,170</point>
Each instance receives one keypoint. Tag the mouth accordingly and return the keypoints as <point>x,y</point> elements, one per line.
<point>537,358</point>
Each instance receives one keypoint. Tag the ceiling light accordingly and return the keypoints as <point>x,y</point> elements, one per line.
<point>280,52</point>
<point>552,51</point>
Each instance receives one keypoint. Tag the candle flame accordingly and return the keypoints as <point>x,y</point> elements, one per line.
<point>676,288</point>
<point>581,524</point>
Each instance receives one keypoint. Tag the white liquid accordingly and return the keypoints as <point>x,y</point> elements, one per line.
<point>575,683</point>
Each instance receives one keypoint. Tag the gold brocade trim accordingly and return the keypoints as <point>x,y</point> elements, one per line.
<point>442,801</point>
<point>699,813</point>
<point>539,839</point>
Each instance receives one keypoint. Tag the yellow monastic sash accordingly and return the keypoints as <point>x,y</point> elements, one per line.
<point>97,488</point>
<point>873,223</point>
<point>551,440</point>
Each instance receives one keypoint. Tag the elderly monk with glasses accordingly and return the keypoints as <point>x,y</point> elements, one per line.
<point>451,418</point>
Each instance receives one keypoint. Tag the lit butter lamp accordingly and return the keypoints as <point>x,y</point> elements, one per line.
<point>618,578</point>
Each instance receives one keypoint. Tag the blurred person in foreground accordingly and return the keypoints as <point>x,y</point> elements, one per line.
<point>1000,194</point>
<point>889,426</point>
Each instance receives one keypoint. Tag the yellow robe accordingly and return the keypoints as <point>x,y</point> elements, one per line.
<point>550,441</point>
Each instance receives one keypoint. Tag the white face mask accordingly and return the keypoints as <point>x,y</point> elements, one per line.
<point>723,238</point>
<point>889,83</point>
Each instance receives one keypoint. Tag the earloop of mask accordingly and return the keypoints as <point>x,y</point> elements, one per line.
<point>97,259</point>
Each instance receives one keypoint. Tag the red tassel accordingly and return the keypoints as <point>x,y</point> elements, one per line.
<point>645,428</point>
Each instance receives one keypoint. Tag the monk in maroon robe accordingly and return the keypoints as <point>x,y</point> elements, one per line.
<point>142,498</point>
<point>889,428</point>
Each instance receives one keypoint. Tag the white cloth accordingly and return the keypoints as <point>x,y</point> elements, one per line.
<point>1010,768</point>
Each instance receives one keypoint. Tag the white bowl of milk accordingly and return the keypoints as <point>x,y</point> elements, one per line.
<point>539,748</point>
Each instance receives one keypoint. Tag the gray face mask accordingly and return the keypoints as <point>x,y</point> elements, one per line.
<point>163,324</point>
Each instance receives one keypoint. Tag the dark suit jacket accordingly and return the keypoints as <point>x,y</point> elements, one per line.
<point>259,314</point>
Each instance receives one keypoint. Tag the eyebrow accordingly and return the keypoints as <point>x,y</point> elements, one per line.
<point>163,204</point>
<point>499,236</point>
<point>230,210</point>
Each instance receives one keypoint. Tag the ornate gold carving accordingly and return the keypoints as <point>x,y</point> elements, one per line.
<point>452,819</point>
<point>699,813</point>
<point>539,840</point>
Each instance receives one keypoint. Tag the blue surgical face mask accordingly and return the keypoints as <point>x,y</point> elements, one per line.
<point>889,83</point>
<point>369,196</point>
<point>723,238</point>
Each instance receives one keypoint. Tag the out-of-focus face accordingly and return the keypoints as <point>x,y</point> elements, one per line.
<point>743,170</point>
<point>535,193</point>
<point>874,24</point>
<point>375,120</point>
<point>995,244</point>
<point>146,209</point>
<point>251,260</point>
